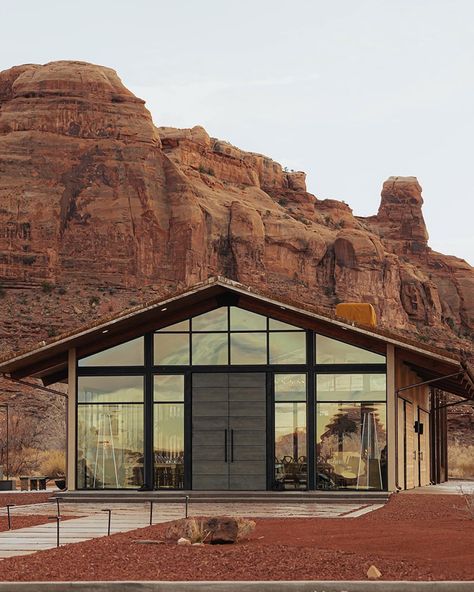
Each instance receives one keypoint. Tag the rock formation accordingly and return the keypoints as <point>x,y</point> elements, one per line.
<point>99,208</point>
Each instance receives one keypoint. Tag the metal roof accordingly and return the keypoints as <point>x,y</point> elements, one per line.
<point>49,359</point>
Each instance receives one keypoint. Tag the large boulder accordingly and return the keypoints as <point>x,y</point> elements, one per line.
<point>217,530</point>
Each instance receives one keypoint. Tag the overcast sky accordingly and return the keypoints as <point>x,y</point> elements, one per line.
<point>350,91</point>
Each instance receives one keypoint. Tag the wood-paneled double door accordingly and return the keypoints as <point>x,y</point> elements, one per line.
<point>413,445</point>
<point>229,431</point>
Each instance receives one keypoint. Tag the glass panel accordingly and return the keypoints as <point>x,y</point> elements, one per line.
<point>169,387</point>
<point>125,354</point>
<point>291,468</point>
<point>290,387</point>
<point>351,447</point>
<point>215,320</point>
<point>109,389</point>
<point>182,326</point>
<point>351,387</point>
<point>210,348</point>
<point>330,351</point>
<point>168,443</point>
<point>279,325</point>
<point>244,320</point>
<point>248,348</point>
<point>110,446</point>
<point>288,348</point>
<point>171,349</point>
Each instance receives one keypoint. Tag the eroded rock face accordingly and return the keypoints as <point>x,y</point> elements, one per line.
<point>100,209</point>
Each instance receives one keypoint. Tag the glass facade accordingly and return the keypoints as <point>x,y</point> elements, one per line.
<point>351,448</point>
<point>168,436</point>
<point>110,436</point>
<point>291,460</point>
<point>325,410</point>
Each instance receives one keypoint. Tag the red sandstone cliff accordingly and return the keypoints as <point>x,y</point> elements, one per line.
<point>98,207</point>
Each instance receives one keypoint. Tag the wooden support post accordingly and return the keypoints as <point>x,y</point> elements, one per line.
<point>391,420</point>
<point>71,422</point>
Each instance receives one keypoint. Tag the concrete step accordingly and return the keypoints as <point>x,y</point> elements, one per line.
<point>265,497</point>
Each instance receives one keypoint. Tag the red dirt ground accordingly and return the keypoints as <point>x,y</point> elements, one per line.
<point>21,499</point>
<point>414,537</point>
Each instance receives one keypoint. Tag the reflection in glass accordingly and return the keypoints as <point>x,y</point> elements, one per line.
<point>290,387</point>
<point>168,387</point>
<point>215,320</point>
<point>168,443</point>
<point>244,320</point>
<point>275,325</point>
<point>125,354</point>
<point>331,351</point>
<point>351,387</point>
<point>182,326</point>
<point>109,389</point>
<point>291,467</point>
<point>171,349</point>
<point>110,446</point>
<point>248,348</point>
<point>288,348</point>
<point>210,348</point>
<point>351,449</point>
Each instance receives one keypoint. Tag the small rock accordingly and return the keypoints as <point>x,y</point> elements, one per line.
<point>373,573</point>
<point>197,545</point>
<point>183,541</point>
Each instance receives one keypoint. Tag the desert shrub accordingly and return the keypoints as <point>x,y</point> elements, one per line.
<point>52,332</point>
<point>94,300</point>
<point>28,259</point>
<point>24,441</point>
<point>47,287</point>
<point>53,463</point>
<point>62,290</point>
<point>244,528</point>
<point>461,461</point>
<point>197,532</point>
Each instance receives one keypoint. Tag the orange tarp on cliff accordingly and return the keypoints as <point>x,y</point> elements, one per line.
<point>359,312</point>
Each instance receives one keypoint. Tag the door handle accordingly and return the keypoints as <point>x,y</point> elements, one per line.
<point>414,455</point>
<point>420,455</point>
<point>225,445</point>
<point>231,445</point>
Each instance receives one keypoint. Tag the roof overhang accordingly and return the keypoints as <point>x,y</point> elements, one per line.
<point>49,360</point>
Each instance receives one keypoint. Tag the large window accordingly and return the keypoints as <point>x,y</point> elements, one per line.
<point>291,464</point>
<point>130,353</point>
<point>168,431</point>
<point>229,335</point>
<point>331,351</point>
<point>351,449</point>
<point>351,387</point>
<point>110,432</point>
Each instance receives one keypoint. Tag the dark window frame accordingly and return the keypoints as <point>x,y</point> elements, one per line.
<point>149,369</point>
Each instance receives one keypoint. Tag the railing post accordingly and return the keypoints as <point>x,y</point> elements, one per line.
<point>110,518</point>
<point>9,517</point>
<point>186,501</point>
<point>58,519</point>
